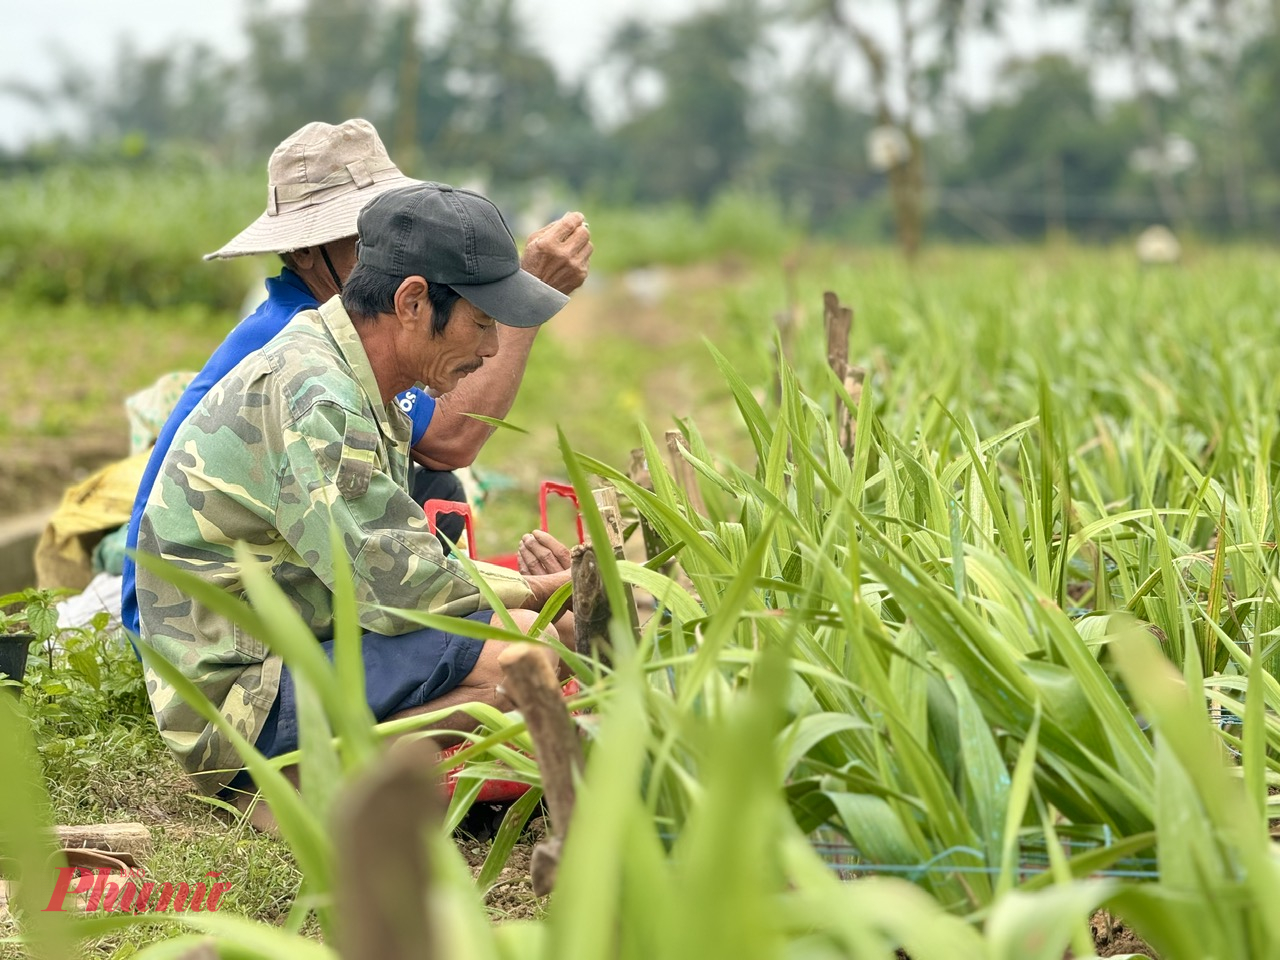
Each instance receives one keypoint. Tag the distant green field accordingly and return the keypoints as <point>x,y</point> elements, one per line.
<point>136,237</point>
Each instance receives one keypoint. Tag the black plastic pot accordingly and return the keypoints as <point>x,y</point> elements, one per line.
<point>13,654</point>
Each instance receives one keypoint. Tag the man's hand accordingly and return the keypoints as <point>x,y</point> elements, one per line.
<point>540,553</point>
<point>558,254</point>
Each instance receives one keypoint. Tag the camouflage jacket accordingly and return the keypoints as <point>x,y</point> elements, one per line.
<point>293,439</point>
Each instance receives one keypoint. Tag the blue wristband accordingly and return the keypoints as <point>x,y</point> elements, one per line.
<point>419,407</point>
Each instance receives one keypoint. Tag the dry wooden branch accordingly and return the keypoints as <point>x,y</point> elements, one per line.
<point>544,864</point>
<point>838,321</point>
<point>382,870</point>
<point>532,684</point>
<point>638,469</point>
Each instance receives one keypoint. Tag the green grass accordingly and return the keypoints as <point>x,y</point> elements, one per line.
<point>1056,450</point>
<point>97,306</point>
<point>133,778</point>
<point>124,237</point>
<point>68,368</point>
<point>104,762</point>
<point>745,226</point>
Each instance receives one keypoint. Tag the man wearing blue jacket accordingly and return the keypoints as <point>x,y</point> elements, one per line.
<point>318,180</point>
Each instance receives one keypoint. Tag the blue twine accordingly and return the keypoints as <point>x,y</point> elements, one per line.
<point>1030,862</point>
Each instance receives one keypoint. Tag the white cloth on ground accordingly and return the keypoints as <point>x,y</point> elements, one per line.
<point>102,595</point>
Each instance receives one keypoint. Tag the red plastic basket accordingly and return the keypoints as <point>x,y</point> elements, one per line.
<point>433,509</point>
<point>560,490</point>
<point>498,791</point>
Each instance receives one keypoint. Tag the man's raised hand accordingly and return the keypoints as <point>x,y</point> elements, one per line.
<point>560,252</point>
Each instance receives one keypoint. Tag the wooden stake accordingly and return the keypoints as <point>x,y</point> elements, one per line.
<point>382,873</point>
<point>787,321</point>
<point>590,606</point>
<point>683,473</point>
<point>606,498</point>
<point>639,473</point>
<point>533,686</point>
<point>838,320</point>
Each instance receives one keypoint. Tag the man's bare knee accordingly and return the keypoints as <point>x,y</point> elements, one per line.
<point>483,683</point>
<point>524,619</point>
<point>486,676</point>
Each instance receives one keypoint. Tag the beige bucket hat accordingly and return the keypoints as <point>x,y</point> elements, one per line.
<point>317,181</point>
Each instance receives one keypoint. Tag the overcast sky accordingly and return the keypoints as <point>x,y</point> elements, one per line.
<point>571,32</point>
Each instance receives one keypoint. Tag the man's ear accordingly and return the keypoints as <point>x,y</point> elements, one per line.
<point>412,306</point>
<point>303,258</point>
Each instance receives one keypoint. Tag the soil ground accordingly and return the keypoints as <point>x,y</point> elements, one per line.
<point>1112,938</point>
<point>511,897</point>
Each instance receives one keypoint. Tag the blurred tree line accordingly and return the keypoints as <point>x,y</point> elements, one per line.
<point>865,133</point>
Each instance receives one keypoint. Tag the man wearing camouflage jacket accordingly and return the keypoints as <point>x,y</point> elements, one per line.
<point>318,180</point>
<point>306,435</point>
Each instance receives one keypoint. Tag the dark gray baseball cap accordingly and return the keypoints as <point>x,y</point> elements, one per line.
<point>456,237</point>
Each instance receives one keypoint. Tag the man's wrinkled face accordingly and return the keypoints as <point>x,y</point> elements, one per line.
<point>470,337</point>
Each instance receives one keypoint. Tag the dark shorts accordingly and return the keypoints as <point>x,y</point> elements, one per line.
<point>400,673</point>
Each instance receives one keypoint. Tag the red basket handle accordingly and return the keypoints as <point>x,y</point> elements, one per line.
<point>561,490</point>
<point>434,508</point>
